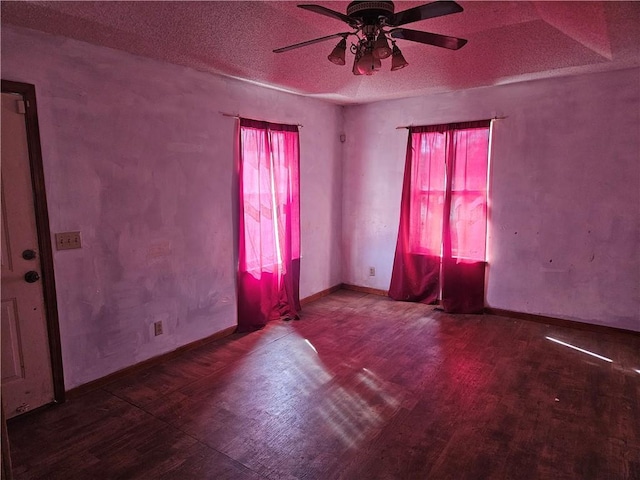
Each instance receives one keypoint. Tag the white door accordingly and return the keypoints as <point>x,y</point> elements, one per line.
<point>26,363</point>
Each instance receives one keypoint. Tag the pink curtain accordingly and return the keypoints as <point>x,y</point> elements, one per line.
<point>441,245</point>
<point>269,224</point>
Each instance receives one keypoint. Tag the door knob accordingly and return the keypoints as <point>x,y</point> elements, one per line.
<point>31,276</point>
<point>29,254</point>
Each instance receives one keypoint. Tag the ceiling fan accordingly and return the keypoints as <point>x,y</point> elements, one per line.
<point>374,24</point>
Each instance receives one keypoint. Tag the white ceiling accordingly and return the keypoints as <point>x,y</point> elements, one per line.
<point>508,41</point>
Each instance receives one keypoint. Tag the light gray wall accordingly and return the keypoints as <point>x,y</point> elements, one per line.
<point>138,158</point>
<point>564,234</point>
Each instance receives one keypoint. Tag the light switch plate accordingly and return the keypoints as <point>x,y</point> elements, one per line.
<point>68,240</point>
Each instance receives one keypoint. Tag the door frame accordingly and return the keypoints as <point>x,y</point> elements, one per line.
<point>28,92</point>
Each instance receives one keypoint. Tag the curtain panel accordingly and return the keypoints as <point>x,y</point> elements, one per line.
<point>269,223</point>
<point>440,252</point>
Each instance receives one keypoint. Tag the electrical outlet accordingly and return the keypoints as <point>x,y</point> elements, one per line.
<point>68,240</point>
<point>372,271</point>
<point>157,328</point>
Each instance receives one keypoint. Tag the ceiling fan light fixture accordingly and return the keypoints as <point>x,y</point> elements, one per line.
<point>355,69</point>
<point>338,53</point>
<point>381,48</point>
<point>367,63</point>
<point>398,61</point>
<point>369,19</point>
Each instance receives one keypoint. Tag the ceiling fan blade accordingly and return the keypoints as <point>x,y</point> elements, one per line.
<point>444,41</point>
<point>331,13</point>
<point>310,42</point>
<point>430,10</point>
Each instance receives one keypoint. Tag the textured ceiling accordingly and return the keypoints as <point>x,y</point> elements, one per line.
<point>508,41</point>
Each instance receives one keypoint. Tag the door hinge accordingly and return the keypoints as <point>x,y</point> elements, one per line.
<point>22,106</point>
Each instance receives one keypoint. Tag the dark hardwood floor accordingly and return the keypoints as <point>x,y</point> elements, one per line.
<point>361,387</point>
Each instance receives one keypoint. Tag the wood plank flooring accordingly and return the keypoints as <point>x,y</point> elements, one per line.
<point>361,387</point>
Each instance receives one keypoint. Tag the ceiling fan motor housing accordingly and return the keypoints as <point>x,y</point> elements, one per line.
<point>370,12</point>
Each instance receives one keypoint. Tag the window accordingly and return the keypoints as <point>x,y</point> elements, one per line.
<point>269,236</point>
<point>443,220</point>
<point>449,185</point>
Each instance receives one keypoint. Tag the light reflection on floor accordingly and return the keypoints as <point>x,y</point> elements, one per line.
<point>579,349</point>
<point>311,345</point>
<point>376,384</point>
<point>346,412</point>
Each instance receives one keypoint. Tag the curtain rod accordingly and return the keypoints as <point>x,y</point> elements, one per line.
<point>238,116</point>
<point>466,121</point>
